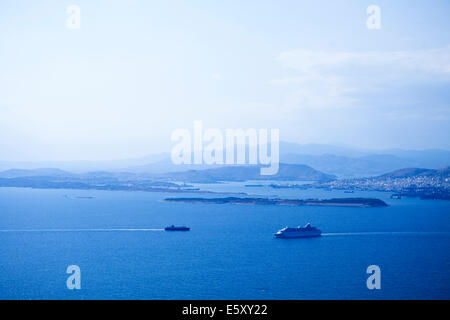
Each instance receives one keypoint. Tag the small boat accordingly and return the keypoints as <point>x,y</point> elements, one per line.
<point>174,228</point>
<point>300,232</point>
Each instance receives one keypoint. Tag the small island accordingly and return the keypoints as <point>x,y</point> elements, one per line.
<point>335,202</point>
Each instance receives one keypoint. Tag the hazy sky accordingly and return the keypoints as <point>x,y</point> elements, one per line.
<point>137,70</point>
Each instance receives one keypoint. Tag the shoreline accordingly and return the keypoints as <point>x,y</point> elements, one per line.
<point>336,202</point>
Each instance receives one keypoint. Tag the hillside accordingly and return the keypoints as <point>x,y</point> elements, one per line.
<point>411,182</point>
<point>416,172</point>
<point>43,172</point>
<point>242,173</point>
<point>343,162</point>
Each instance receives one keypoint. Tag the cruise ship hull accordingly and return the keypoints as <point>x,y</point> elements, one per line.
<point>301,234</point>
<point>172,228</point>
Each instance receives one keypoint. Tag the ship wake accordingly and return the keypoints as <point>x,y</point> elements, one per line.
<point>384,233</point>
<point>84,230</point>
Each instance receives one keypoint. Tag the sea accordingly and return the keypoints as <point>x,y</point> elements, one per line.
<point>117,240</point>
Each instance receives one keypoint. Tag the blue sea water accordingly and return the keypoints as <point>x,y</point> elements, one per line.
<point>230,252</point>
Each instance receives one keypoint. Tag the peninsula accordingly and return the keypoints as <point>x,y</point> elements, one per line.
<point>335,202</point>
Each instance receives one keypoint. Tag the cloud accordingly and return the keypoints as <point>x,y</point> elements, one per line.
<point>319,79</point>
<point>431,61</point>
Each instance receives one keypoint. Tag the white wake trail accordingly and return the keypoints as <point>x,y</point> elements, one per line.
<point>385,233</point>
<point>83,230</point>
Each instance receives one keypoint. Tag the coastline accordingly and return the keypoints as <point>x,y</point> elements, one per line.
<point>336,202</point>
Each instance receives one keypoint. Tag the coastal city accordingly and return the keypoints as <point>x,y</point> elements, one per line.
<point>423,183</point>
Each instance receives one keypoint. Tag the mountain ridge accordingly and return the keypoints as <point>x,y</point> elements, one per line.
<point>344,162</point>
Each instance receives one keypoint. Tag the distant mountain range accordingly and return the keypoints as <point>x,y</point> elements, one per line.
<point>344,162</point>
<point>294,172</point>
<point>351,162</point>
<point>42,172</point>
<point>338,161</point>
<point>225,173</point>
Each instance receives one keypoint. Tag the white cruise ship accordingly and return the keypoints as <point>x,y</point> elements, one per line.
<point>300,232</point>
